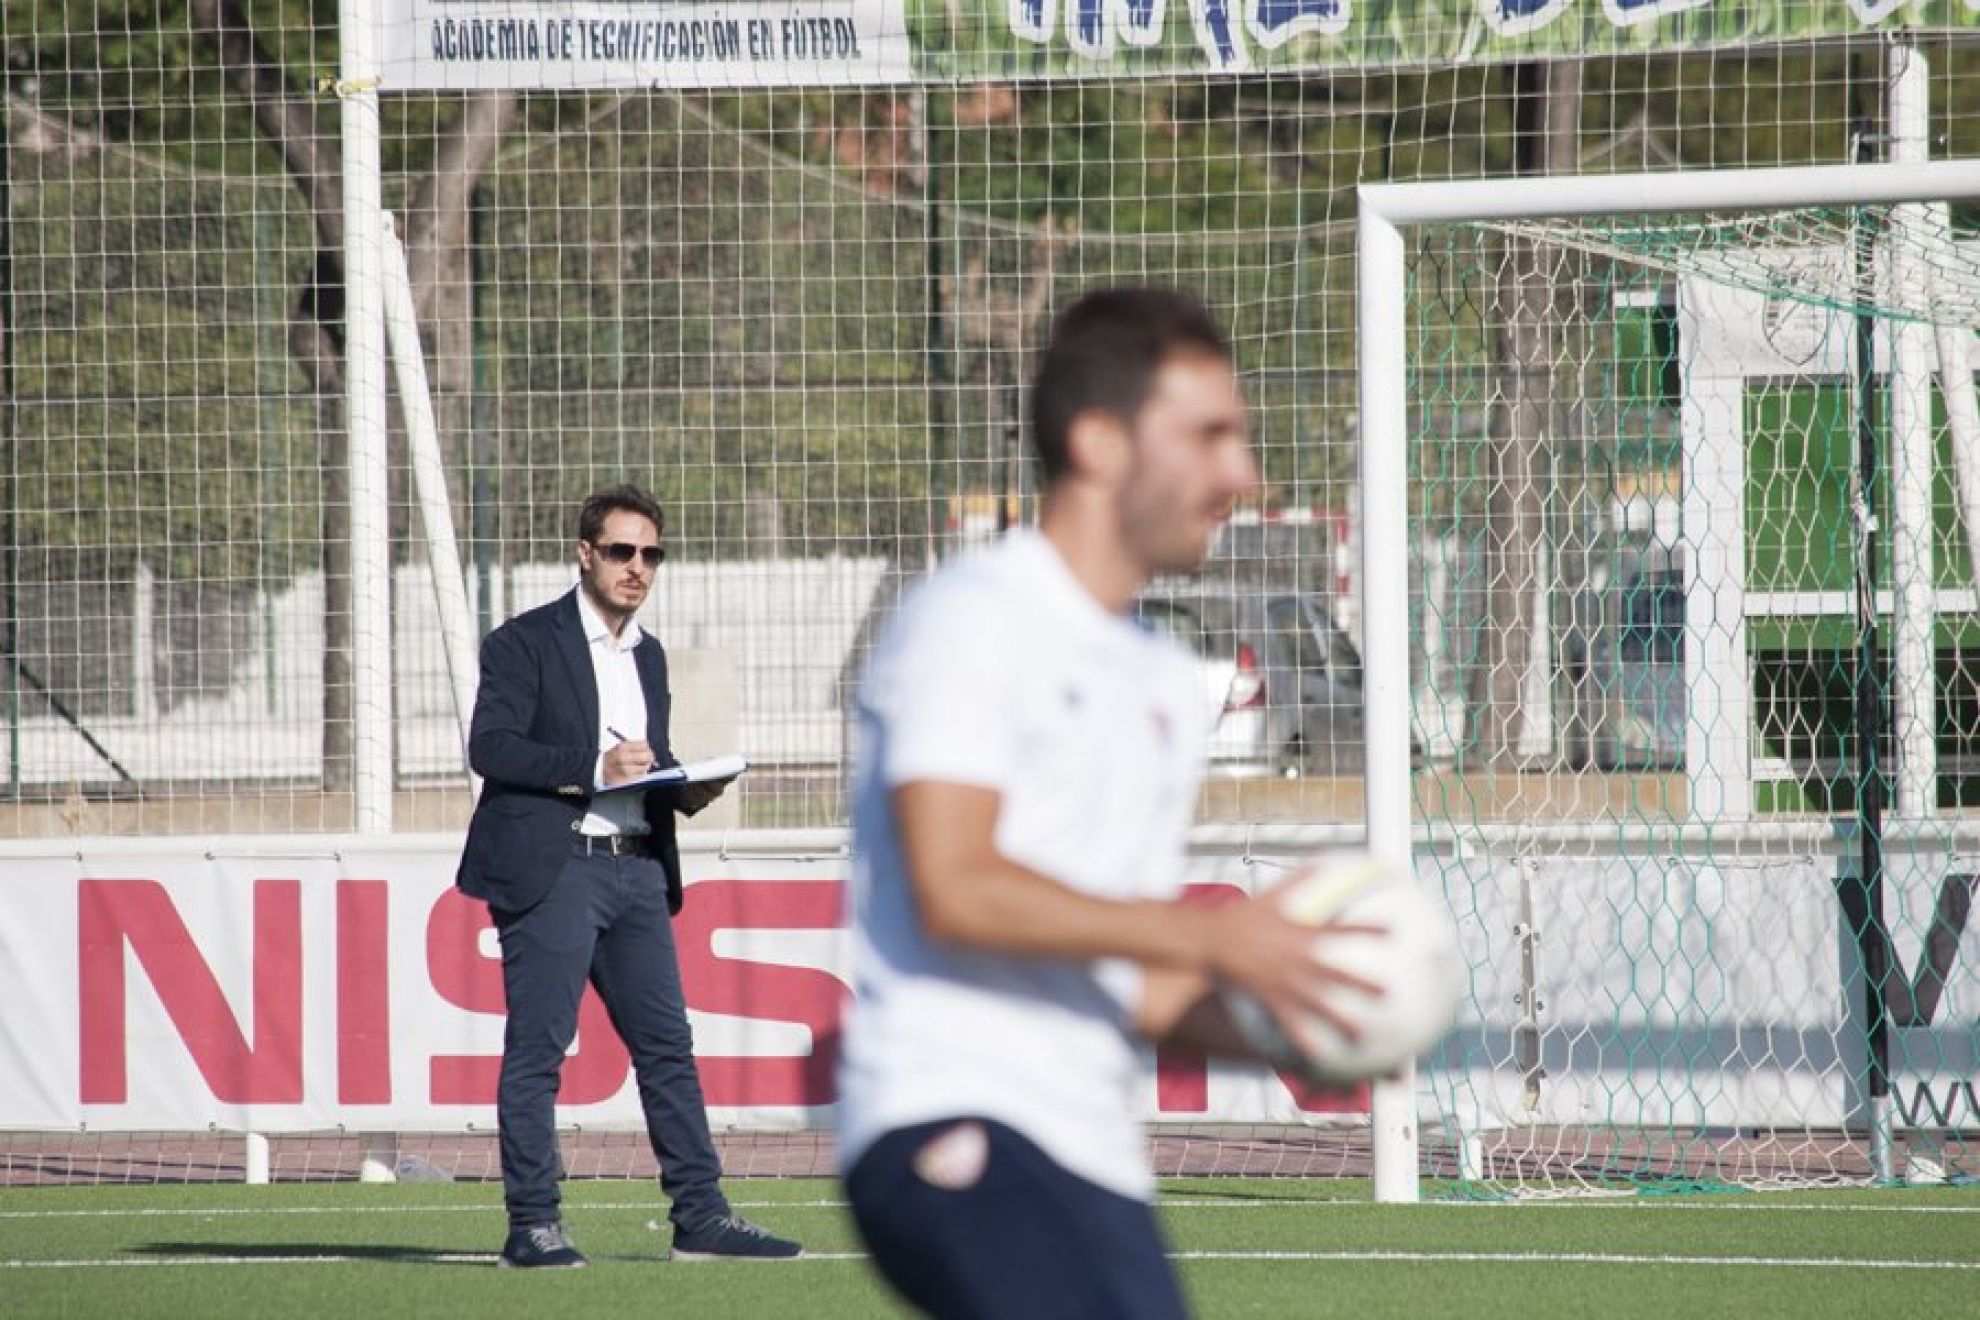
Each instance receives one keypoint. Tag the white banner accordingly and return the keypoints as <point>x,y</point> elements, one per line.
<point>1716,987</point>
<point>309,983</point>
<point>524,44</point>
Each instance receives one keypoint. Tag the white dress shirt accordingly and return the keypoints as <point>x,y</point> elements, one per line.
<point>621,706</point>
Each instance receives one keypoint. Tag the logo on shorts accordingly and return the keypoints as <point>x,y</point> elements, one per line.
<point>954,1159</point>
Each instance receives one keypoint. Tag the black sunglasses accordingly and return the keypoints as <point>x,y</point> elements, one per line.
<point>621,552</point>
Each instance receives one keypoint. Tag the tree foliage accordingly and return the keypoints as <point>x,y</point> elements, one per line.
<point>711,291</point>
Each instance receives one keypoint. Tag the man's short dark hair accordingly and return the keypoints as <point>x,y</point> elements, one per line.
<point>600,505</point>
<point>1104,353</point>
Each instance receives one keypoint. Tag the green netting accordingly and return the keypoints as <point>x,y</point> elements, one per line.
<point>1921,270</point>
<point>1654,473</point>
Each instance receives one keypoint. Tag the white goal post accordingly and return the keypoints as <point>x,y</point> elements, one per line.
<point>1386,211</point>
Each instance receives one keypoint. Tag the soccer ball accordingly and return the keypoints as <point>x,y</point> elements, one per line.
<point>1415,961</point>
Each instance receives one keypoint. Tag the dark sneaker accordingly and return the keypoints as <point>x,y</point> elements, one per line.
<point>540,1247</point>
<point>730,1237</point>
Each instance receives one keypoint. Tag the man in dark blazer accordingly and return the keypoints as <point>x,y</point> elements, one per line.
<point>582,884</point>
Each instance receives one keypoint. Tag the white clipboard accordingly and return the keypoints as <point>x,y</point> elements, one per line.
<point>711,770</point>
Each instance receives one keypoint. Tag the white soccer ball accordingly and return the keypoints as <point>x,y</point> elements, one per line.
<point>1414,960</point>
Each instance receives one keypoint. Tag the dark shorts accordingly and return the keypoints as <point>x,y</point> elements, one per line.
<point>984,1224</point>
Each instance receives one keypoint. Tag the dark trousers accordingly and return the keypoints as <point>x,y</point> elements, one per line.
<point>605,920</point>
<point>1025,1240</point>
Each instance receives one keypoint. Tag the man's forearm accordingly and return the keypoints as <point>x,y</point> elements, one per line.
<point>1000,906</point>
<point>970,894</point>
<point>510,758</point>
<point>1184,1009</point>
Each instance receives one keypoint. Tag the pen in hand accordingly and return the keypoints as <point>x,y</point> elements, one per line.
<point>623,739</point>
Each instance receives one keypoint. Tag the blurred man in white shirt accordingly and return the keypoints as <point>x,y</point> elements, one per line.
<point>1027,766</point>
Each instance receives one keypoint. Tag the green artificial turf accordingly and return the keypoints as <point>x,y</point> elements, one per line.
<point>1278,1248</point>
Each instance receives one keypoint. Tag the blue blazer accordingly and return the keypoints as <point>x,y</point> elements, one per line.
<point>534,742</point>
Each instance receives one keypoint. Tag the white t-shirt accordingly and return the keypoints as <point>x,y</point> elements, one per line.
<point>1001,671</point>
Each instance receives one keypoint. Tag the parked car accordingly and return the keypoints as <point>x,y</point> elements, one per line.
<point>1283,682</point>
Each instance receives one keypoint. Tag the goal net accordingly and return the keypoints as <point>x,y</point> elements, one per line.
<point>1696,490</point>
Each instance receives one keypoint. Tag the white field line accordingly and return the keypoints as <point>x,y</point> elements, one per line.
<point>1646,1207</point>
<point>1164,1203</point>
<point>1319,1257</point>
<point>1586,1258</point>
<point>326,1258</point>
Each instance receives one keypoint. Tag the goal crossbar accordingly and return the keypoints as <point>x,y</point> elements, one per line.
<point>1672,191</point>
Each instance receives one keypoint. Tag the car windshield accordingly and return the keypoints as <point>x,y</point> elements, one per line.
<point>1199,625</point>
<point>1301,633</point>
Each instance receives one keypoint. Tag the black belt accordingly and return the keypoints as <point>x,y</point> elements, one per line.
<point>614,845</point>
